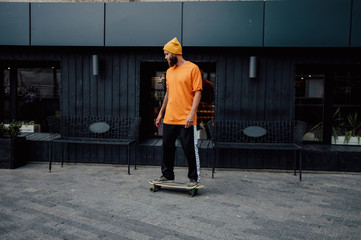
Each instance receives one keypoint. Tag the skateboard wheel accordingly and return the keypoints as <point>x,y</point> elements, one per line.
<point>192,192</point>
<point>155,188</point>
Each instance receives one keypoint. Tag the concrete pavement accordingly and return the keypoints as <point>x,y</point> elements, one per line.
<point>82,201</point>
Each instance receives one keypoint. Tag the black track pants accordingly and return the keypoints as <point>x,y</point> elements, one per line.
<point>188,138</point>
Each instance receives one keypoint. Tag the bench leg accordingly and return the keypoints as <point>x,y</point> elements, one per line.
<point>300,165</point>
<point>214,161</point>
<point>50,147</point>
<point>135,156</point>
<point>294,163</point>
<point>128,160</point>
<point>62,154</point>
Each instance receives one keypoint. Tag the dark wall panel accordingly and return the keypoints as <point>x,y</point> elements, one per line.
<point>67,24</point>
<point>269,96</point>
<point>111,93</point>
<point>115,91</point>
<point>291,23</point>
<point>14,23</point>
<point>356,24</point>
<point>142,24</point>
<point>307,23</point>
<point>275,95</point>
<point>222,23</point>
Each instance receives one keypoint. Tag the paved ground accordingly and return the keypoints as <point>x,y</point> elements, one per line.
<point>102,202</point>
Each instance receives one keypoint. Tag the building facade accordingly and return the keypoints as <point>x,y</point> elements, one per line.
<point>266,60</point>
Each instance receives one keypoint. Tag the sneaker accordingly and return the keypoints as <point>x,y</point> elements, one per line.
<point>163,179</point>
<point>192,183</point>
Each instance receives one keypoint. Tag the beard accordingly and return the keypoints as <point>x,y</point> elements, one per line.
<point>172,61</point>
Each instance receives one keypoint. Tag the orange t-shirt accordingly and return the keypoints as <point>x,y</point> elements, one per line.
<point>182,83</point>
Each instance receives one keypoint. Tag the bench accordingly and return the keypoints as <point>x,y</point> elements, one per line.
<point>94,130</point>
<point>258,135</point>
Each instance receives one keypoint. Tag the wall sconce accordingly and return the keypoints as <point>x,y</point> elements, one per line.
<point>95,65</point>
<point>252,67</point>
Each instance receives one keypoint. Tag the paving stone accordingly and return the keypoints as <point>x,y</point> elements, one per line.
<point>90,201</point>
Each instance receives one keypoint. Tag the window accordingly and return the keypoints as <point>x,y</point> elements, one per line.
<point>327,100</point>
<point>30,93</point>
<point>346,107</point>
<point>310,102</point>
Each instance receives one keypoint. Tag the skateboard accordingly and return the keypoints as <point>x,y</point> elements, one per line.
<point>192,191</point>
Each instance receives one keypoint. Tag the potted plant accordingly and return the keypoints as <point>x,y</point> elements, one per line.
<point>11,146</point>
<point>353,127</point>
<point>344,131</point>
<point>30,127</point>
<point>337,127</point>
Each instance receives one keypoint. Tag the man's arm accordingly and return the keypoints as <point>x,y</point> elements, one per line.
<point>190,118</point>
<point>162,110</point>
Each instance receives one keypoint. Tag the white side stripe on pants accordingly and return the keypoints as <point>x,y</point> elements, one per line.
<point>198,162</point>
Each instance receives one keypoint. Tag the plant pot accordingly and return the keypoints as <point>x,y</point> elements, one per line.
<point>309,136</point>
<point>353,141</point>
<point>12,152</point>
<point>30,128</point>
<point>341,140</point>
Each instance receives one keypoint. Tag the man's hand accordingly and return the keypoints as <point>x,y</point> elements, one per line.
<point>192,114</point>
<point>189,120</point>
<point>162,110</point>
<point>158,120</point>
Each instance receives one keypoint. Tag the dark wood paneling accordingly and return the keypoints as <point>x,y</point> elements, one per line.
<point>116,85</point>
<point>115,91</point>
<point>71,83</point>
<point>100,90</point>
<point>220,91</point>
<point>86,72</point>
<point>245,86</point>
<point>108,82</point>
<point>275,89</point>
<point>267,97</point>
<point>132,85</point>
<point>79,80</point>
<point>124,84</point>
<point>93,90</point>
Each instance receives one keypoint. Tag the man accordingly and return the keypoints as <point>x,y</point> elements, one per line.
<point>179,109</point>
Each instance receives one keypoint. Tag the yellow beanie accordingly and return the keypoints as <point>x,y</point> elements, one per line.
<point>173,46</point>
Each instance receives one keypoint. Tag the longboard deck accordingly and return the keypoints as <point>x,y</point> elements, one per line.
<point>175,185</point>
